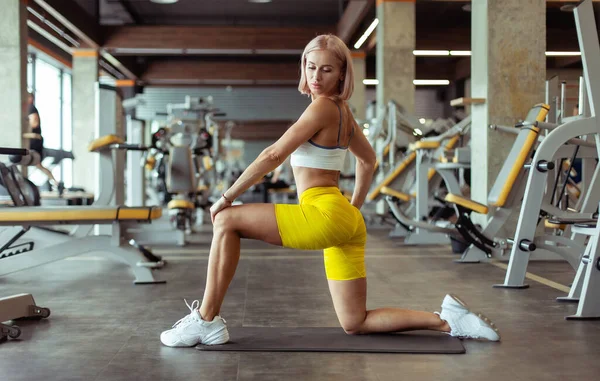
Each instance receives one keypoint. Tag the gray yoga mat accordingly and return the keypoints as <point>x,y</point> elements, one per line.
<point>281,339</point>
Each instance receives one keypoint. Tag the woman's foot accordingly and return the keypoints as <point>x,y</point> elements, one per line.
<point>191,330</point>
<point>464,323</point>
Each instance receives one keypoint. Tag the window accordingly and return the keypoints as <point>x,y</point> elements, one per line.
<point>52,88</point>
<point>67,129</point>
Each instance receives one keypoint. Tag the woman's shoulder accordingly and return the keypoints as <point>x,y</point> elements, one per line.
<point>326,107</point>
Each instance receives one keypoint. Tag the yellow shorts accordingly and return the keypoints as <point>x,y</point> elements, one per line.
<point>324,219</point>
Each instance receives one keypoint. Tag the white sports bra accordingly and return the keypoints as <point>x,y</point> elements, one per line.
<point>313,155</point>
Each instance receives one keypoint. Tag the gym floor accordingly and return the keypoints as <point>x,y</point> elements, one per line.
<point>103,327</point>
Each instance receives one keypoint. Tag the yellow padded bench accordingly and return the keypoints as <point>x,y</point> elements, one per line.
<point>30,215</point>
<point>551,225</point>
<point>392,176</point>
<point>399,195</point>
<point>467,203</point>
<point>180,204</point>
<point>424,144</point>
<point>104,142</point>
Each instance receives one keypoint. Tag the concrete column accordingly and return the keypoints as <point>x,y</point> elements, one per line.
<point>508,70</point>
<point>396,37</point>
<point>13,73</point>
<point>358,101</point>
<point>85,76</point>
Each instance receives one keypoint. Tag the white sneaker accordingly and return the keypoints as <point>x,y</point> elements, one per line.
<point>192,330</point>
<point>464,323</point>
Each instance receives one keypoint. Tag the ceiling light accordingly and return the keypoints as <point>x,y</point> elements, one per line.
<point>431,82</point>
<point>460,52</point>
<point>164,1</point>
<point>259,1</point>
<point>366,35</point>
<point>563,54</point>
<point>431,52</point>
<point>418,82</point>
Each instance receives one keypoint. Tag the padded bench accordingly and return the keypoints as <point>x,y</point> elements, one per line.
<point>28,215</point>
<point>467,203</point>
<point>399,195</point>
<point>400,168</point>
<point>112,245</point>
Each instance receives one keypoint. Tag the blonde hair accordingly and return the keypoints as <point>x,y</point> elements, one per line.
<point>335,45</point>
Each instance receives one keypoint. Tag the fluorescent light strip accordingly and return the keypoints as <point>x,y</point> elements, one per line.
<point>460,52</point>
<point>431,52</point>
<point>366,35</point>
<point>431,82</point>
<point>443,53</point>
<point>563,54</point>
<point>417,82</point>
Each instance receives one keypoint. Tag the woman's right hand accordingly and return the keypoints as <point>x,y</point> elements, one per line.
<point>217,207</point>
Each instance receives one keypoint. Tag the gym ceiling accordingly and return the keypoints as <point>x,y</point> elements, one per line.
<point>227,42</point>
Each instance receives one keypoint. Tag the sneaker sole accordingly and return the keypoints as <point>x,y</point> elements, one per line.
<point>488,322</point>
<point>481,316</point>
<point>459,301</point>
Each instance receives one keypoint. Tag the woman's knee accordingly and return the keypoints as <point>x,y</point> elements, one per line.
<point>353,325</point>
<point>224,220</point>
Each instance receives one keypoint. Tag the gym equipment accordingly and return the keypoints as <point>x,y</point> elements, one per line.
<point>15,307</point>
<point>404,192</point>
<point>548,150</point>
<point>430,160</point>
<point>20,219</point>
<point>21,305</point>
<point>187,160</point>
<point>587,280</point>
<point>111,149</point>
<point>503,198</point>
<point>284,339</point>
<point>32,158</point>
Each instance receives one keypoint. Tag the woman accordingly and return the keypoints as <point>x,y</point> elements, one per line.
<point>324,219</point>
<point>36,141</point>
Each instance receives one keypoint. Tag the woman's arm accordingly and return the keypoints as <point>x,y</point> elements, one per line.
<point>365,166</point>
<point>315,117</point>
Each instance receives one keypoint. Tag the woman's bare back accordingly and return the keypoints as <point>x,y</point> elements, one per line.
<point>313,177</point>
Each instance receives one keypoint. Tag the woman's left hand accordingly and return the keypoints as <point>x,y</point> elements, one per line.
<point>217,207</point>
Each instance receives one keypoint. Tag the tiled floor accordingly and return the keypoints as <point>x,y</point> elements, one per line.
<point>104,328</point>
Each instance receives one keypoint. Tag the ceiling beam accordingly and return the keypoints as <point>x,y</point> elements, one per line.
<point>74,18</point>
<point>459,38</point>
<point>84,27</point>
<point>219,72</point>
<point>209,40</point>
<point>353,16</point>
<point>563,62</point>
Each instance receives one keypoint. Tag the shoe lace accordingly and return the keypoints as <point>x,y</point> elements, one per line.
<point>195,304</point>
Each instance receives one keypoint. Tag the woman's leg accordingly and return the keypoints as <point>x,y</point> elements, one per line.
<point>350,303</point>
<point>48,174</point>
<point>254,221</point>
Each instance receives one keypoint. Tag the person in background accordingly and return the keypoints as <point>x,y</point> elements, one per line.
<point>36,141</point>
